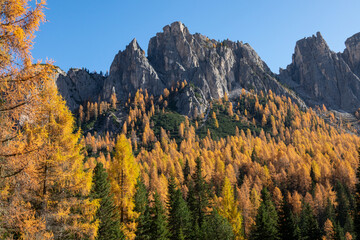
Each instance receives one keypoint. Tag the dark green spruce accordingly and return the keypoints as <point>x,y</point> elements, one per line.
<point>308,224</point>
<point>217,227</point>
<point>289,229</point>
<point>198,198</point>
<point>141,200</point>
<point>179,214</point>
<point>266,222</point>
<point>158,226</point>
<point>344,200</point>
<point>110,227</point>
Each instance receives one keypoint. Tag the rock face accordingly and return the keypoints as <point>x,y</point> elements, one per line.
<point>214,67</point>
<point>320,76</point>
<point>78,86</point>
<point>352,53</point>
<point>131,71</point>
<point>176,55</point>
<point>191,101</point>
<point>317,75</point>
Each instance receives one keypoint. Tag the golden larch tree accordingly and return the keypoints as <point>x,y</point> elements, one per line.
<point>228,208</point>
<point>123,174</point>
<point>62,184</point>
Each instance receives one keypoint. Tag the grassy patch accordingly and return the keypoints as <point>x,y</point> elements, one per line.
<point>169,121</point>
<point>227,125</point>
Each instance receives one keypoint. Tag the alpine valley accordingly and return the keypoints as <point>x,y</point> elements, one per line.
<point>197,139</point>
<point>195,104</point>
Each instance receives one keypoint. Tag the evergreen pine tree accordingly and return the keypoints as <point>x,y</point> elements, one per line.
<point>179,214</point>
<point>141,199</point>
<point>198,196</point>
<point>308,224</point>
<point>266,223</point>
<point>339,232</point>
<point>330,212</point>
<point>216,227</point>
<point>158,226</point>
<point>109,227</point>
<point>289,229</point>
<point>313,180</point>
<point>344,208</point>
<point>186,171</point>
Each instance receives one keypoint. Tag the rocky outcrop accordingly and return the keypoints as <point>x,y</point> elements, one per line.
<point>191,101</point>
<point>352,53</point>
<point>317,75</point>
<point>320,76</point>
<point>78,86</point>
<point>131,71</point>
<point>215,67</point>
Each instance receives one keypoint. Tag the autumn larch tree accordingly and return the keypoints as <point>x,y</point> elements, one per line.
<point>123,174</point>
<point>357,201</point>
<point>61,188</point>
<point>20,80</point>
<point>228,208</point>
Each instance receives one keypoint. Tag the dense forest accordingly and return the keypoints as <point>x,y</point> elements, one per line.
<point>257,166</point>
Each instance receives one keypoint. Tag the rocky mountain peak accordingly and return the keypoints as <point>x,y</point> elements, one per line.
<point>352,53</point>
<point>176,28</point>
<point>212,66</point>
<point>130,71</point>
<point>133,45</point>
<point>316,43</point>
<point>353,40</point>
<point>320,76</point>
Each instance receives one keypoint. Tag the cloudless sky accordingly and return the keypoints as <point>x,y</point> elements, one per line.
<point>88,33</point>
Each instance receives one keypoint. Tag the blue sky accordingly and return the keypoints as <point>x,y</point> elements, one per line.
<point>88,33</point>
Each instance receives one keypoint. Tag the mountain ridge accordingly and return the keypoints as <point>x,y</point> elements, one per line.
<point>316,75</point>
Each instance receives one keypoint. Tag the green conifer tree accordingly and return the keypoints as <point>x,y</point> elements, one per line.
<point>266,223</point>
<point>158,226</point>
<point>217,227</point>
<point>179,214</point>
<point>198,196</point>
<point>107,214</point>
<point>289,229</point>
<point>308,224</point>
<point>141,199</point>
<point>186,171</point>
<point>344,208</point>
